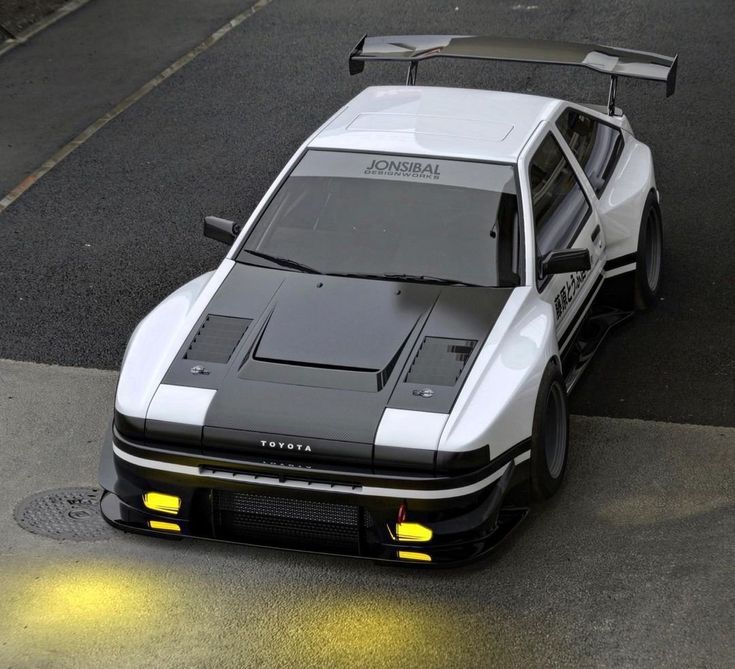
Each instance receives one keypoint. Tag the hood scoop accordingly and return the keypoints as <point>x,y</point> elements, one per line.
<point>350,325</point>
<point>217,339</point>
<point>343,334</point>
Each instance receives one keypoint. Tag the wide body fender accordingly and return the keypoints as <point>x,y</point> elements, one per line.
<point>497,402</point>
<point>159,337</point>
<point>621,204</point>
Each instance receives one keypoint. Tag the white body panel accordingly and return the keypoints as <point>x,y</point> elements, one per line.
<point>180,404</point>
<point>410,429</point>
<point>159,337</point>
<point>440,122</point>
<point>622,202</point>
<point>496,403</point>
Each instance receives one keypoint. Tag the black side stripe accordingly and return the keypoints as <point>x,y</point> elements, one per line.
<point>511,454</point>
<point>620,262</point>
<point>582,311</point>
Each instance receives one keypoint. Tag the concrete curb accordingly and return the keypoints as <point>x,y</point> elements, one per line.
<point>44,23</point>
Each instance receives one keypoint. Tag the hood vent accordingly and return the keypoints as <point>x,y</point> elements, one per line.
<point>440,361</point>
<point>217,339</point>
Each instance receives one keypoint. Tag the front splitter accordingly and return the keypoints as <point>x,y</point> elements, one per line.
<point>451,554</point>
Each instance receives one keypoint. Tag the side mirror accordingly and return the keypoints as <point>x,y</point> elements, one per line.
<point>565,261</point>
<point>221,229</point>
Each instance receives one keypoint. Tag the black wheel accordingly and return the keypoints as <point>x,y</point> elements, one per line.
<point>550,437</point>
<point>649,258</point>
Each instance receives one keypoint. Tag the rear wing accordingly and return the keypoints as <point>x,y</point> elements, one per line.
<point>608,60</point>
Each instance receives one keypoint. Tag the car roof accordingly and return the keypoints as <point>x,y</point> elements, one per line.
<point>437,121</point>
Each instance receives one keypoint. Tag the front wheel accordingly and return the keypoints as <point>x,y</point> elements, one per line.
<point>649,257</point>
<point>550,437</point>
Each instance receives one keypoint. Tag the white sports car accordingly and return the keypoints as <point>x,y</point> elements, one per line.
<point>380,365</point>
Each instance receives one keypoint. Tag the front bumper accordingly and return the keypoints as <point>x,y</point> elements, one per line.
<point>297,512</point>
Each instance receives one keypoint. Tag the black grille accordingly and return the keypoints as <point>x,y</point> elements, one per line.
<point>440,361</point>
<point>217,338</point>
<point>287,522</point>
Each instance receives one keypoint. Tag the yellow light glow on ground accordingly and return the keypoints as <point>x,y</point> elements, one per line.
<point>89,595</point>
<point>152,609</point>
<point>82,613</point>
<point>393,631</point>
<point>375,633</point>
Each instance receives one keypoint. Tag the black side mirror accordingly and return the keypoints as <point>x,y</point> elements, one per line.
<point>565,261</point>
<point>221,229</point>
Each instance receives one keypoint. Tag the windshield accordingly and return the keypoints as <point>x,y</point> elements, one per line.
<point>392,216</point>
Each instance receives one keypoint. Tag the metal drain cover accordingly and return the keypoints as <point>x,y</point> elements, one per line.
<point>70,514</point>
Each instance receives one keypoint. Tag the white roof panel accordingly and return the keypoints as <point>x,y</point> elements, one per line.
<point>428,120</point>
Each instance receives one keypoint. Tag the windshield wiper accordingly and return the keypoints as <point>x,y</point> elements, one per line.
<point>421,278</point>
<point>283,262</point>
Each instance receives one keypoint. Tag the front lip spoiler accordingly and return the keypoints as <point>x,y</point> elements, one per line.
<point>124,517</point>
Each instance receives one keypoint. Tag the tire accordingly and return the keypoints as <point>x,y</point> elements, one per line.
<point>550,437</point>
<point>649,257</point>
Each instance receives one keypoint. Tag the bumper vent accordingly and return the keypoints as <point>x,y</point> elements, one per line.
<point>217,339</point>
<point>440,361</point>
<point>287,522</point>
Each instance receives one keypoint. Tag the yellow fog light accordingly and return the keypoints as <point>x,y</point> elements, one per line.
<point>158,501</point>
<point>413,532</point>
<point>411,555</point>
<point>164,525</point>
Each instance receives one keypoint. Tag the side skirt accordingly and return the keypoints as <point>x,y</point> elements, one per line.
<point>599,320</point>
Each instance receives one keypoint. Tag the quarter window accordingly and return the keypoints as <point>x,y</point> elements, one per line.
<point>560,207</point>
<point>597,146</point>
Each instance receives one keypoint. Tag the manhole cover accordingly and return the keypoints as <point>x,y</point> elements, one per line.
<point>71,514</point>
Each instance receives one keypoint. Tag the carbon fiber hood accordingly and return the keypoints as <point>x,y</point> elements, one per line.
<point>309,360</point>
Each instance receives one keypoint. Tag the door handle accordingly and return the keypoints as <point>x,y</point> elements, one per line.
<point>596,233</point>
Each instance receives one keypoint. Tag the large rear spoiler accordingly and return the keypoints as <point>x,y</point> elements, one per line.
<point>608,60</point>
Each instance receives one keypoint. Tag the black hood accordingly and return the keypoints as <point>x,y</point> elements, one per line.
<point>309,360</point>
<point>333,323</point>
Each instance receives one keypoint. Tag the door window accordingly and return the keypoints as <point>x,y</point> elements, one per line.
<point>596,145</point>
<point>560,207</point>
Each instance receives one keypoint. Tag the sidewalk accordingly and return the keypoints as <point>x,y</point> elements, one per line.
<point>629,566</point>
<point>69,75</point>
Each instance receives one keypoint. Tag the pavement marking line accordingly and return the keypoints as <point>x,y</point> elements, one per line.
<point>24,35</point>
<point>82,137</point>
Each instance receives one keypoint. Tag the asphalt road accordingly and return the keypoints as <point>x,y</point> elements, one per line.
<point>74,72</point>
<point>630,566</point>
<point>117,226</point>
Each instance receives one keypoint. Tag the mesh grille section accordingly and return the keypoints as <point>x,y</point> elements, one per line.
<point>217,339</point>
<point>440,361</point>
<point>287,522</point>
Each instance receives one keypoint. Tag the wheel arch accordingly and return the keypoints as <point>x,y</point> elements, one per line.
<point>496,405</point>
<point>157,339</point>
<point>621,205</point>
